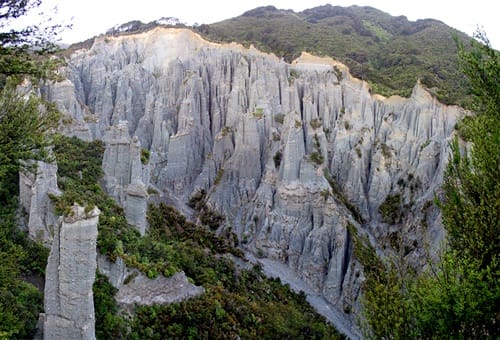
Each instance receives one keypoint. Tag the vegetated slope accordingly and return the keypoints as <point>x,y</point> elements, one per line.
<point>389,52</point>
<point>239,300</point>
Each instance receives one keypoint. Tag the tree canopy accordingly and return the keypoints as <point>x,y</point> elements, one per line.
<point>23,51</point>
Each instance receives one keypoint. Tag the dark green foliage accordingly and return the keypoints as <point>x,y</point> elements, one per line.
<point>79,170</point>
<point>315,123</point>
<point>78,160</point>
<point>108,323</point>
<point>277,158</point>
<point>317,157</point>
<point>471,210</point>
<point>208,217</point>
<point>23,52</point>
<point>20,301</point>
<point>248,307</point>
<point>197,201</point>
<point>470,269</point>
<point>480,64</point>
<point>365,253</point>
<point>279,118</point>
<point>25,124</point>
<point>390,52</point>
<point>391,209</point>
<point>24,127</point>
<point>339,195</point>
<point>456,300</point>
<point>211,218</point>
<point>167,224</point>
<point>218,177</point>
<point>145,154</point>
<point>154,254</point>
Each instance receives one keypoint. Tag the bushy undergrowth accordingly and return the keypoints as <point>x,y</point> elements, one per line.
<point>21,258</point>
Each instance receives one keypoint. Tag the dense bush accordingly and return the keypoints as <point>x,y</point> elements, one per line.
<point>20,301</point>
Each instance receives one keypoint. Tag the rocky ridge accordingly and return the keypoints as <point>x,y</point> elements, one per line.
<point>292,154</point>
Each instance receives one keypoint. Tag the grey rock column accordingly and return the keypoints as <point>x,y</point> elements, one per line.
<point>70,274</point>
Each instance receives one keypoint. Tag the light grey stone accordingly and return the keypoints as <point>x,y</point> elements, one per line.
<point>70,274</point>
<point>34,191</point>
<point>145,292</point>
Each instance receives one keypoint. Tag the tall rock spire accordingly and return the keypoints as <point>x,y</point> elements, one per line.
<point>70,274</point>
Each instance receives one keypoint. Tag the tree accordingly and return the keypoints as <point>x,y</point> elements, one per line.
<point>470,269</point>
<point>25,119</point>
<point>471,209</point>
<point>25,125</point>
<point>23,51</point>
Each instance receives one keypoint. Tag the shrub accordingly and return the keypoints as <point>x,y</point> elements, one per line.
<point>317,158</point>
<point>197,201</point>
<point>315,123</point>
<point>277,159</point>
<point>218,177</point>
<point>226,130</point>
<point>259,113</point>
<point>145,154</point>
<point>279,118</point>
<point>211,218</point>
<point>390,209</point>
<point>386,150</point>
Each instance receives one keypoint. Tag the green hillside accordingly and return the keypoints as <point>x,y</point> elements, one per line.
<point>389,52</point>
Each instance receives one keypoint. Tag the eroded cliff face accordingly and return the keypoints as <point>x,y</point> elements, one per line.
<point>291,154</point>
<point>125,176</point>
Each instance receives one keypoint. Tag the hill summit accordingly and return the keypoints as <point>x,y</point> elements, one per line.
<point>391,53</point>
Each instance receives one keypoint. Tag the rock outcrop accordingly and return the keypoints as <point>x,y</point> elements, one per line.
<point>70,274</point>
<point>134,288</point>
<point>291,153</point>
<point>34,191</point>
<point>125,176</point>
<point>143,291</point>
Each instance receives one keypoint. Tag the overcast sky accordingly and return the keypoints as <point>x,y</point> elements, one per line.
<point>92,17</point>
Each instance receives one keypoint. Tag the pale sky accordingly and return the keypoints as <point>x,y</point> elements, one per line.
<point>92,17</point>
